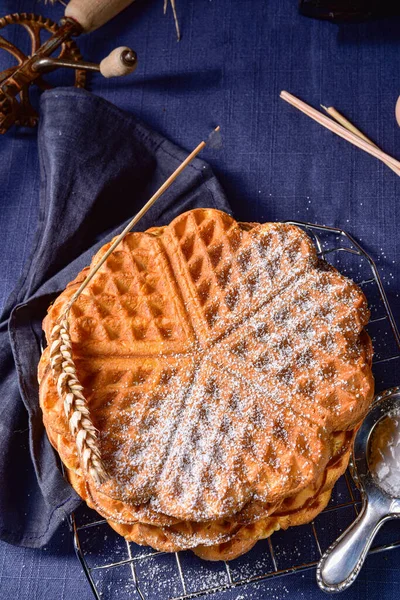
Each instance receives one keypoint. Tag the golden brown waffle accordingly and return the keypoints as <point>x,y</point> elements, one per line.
<point>227,539</point>
<point>217,359</point>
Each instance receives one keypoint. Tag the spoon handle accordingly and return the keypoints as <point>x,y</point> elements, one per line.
<point>341,563</point>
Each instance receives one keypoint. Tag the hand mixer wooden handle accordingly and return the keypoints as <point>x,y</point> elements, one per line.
<point>92,14</point>
<point>121,61</point>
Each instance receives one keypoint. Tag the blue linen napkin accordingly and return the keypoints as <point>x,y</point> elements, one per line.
<point>98,167</point>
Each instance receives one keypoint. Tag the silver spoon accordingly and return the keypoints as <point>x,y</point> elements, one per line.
<point>342,562</point>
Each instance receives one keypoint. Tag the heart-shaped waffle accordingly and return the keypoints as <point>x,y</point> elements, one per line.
<point>217,359</point>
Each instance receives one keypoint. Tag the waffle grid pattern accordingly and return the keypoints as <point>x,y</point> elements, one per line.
<point>186,577</point>
<point>265,270</point>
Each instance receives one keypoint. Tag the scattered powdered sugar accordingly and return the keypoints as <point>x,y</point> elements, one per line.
<point>160,575</point>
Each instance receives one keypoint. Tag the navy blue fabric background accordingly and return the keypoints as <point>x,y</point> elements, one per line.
<point>275,164</point>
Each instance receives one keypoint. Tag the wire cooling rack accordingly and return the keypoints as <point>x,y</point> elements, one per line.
<point>119,569</point>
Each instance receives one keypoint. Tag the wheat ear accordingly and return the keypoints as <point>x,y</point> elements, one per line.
<point>76,409</point>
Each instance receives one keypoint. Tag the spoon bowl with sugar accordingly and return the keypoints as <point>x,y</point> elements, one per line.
<point>375,467</point>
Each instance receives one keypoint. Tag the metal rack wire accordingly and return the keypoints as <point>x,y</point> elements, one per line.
<point>120,569</point>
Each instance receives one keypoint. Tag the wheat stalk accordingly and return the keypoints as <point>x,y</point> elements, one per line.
<point>69,388</point>
<point>70,391</point>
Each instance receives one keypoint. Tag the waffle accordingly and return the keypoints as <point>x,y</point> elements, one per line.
<point>228,539</point>
<point>219,361</point>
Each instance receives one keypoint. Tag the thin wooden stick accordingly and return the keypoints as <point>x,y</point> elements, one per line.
<point>178,31</point>
<point>134,221</point>
<point>346,123</point>
<point>176,21</point>
<point>339,129</point>
<point>349,125</point>
<point>69,389</point>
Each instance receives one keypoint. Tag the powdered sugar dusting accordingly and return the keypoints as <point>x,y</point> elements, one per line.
<point>217,360</point>
<point>244,411</point>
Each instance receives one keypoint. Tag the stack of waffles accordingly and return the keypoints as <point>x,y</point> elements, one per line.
<point>226,368</point>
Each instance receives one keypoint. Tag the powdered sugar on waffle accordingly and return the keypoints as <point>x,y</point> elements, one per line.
<point>270,361</point>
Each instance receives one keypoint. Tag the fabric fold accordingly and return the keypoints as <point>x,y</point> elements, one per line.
<point>98,167</point>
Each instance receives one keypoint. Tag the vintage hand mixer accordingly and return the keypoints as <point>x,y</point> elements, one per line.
<point>81,16</point>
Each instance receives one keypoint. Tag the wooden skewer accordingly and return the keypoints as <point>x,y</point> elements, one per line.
<point>134,221</point>
<point>346,123</point>
<point>339,129</point>
<point>349,125</point>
